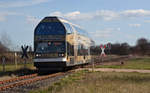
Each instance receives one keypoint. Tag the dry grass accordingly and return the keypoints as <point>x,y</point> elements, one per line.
<point>100,82</point>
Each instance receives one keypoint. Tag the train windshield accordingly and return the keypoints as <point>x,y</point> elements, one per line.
<point>50,47</point>
<point>50,28</point>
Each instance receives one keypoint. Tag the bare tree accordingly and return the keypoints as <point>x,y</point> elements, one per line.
<point>3,48</point>
<point>5,40</point>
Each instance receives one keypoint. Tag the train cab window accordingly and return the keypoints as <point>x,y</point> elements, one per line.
<point>42,27</point>
<point>50,28</point>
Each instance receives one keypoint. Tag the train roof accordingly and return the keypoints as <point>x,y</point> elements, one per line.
<point>61,19</point>
<point>62,25</point>
<point>77,28</point>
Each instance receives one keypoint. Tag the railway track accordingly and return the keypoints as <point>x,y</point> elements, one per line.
<point>17,79</point>
<point>24,80</point>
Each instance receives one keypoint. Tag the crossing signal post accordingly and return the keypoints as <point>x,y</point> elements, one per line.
<point>24,54</point>
<point>103,51</point>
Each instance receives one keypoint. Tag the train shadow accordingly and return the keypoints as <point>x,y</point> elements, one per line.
<point>47,72</point>
<point>19,72</point>
<point>42,73</point>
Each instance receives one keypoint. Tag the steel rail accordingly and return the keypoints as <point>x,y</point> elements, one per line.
<point>25,82</point>
<point>17,79</point>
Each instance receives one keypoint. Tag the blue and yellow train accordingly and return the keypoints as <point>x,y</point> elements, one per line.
<point>59,44</point>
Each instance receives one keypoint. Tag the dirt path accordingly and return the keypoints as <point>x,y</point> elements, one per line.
<point>119,70</point>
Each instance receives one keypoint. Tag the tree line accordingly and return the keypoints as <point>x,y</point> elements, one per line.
<point>142,47</point>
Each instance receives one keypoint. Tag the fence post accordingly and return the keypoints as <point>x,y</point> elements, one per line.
<point>3,63</point>
<point>16,60</point>
<point>93,65</point>
<point>25,63</point>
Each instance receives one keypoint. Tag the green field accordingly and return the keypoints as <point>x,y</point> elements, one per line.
<point>100,82</point>
<point>12,67</point>
<point>11,70</point>
<point>135,63</point>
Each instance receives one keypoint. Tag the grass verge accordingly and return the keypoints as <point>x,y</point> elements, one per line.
<point>136,63</point>
<point>12,67</point>
<point>100,82</point>
<point>20,70</point>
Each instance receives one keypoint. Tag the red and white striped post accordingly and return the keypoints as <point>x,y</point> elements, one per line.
<point>103,51</point>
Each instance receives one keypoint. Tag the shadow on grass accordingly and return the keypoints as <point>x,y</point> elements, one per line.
<point>19,72</point>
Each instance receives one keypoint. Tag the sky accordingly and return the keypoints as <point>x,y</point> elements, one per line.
<point>114,21</point>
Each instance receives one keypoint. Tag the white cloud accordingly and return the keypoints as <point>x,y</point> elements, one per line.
<point>19,3</point>
<point>29,19</point>
<point>106,15</point>
<point>57,13</point>
<point>135,13</point>
<point>32,20</point>
<point>76,15</point>
<point>105,33</point>
<point>3,15</point>
<point>147,21</point>
<point>134,25</point>
<point>118,28</point>
<point>130,36</point>
<point>73,14</point>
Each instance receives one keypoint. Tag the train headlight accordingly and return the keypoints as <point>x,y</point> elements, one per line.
<point>61,55</point>
<point>38,55</point>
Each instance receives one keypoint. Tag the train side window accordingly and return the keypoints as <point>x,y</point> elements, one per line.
<point>70,49</point>
<point>82,50</point>
<point>68,28</point>
<point>81,31</point>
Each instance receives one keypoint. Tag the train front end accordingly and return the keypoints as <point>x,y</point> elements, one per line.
<point>50,45</point>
